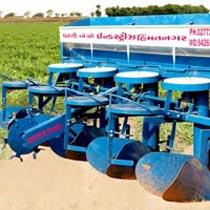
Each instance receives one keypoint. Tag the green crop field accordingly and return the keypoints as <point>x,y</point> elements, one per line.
<point>27,48</point>
<point>26,51</point>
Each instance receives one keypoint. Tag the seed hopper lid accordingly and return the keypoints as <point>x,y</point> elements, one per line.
<point>97,72</point>
<point>64,67</point>
<point>137,77</point>
<point>186,84</point>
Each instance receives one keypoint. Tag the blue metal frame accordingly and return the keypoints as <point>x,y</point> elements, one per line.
<point>96,100</point>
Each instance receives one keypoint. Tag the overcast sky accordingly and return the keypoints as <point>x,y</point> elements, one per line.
<point>83,6</point>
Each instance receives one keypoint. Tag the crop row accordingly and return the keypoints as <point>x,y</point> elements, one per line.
<point>27,48</point>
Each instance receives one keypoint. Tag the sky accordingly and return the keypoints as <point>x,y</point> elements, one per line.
<point>19,7</point>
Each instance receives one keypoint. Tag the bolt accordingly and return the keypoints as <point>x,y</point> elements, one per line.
<point>178,115</point>
<point>111,134</point>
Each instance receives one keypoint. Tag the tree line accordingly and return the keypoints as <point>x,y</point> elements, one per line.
<point>121,11</point>
<point>155,10</point>
<point>48,14</point>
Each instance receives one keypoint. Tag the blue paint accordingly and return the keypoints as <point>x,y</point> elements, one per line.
<point>98,104</point>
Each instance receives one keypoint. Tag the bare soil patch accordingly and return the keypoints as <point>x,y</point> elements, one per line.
<point>54,183</point>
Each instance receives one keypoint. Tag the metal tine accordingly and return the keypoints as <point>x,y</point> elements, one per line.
<point>8,77</point>
<point>16,156</point>
<point>168,148</point>
<point>120,133</point>
<point>4,144</point>
<point>36,152</point>
<point>36,83</point>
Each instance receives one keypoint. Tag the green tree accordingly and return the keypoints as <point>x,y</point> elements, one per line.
<point>64,15</point>
<point>78,14</point>
<point>144,11</point>
<point>27,14</point>
<point>109,11</point>
<point>98,10</point>
<point>155,10</point>
<point>72,14</point>
<point>92,14</point>
<point>115,11</point>
<point>169,9</point>
<point>200,9</point>
<point>9,15</point>
<point>49,13</point>
<point>38,15</point>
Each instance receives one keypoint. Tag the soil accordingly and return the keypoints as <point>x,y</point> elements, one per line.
<point>54,183</point>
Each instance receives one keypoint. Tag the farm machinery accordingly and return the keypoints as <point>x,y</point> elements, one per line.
<point>111,71</point>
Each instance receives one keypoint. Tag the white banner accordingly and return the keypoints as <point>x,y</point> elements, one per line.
<point>188,36</point>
